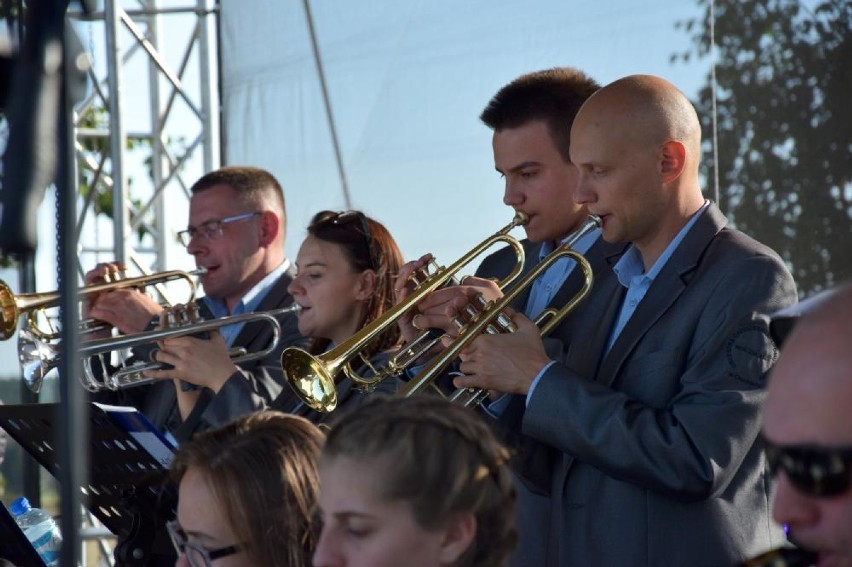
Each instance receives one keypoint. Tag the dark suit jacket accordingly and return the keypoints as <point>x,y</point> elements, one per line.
<point>658,462</point>
<point>251,388</point>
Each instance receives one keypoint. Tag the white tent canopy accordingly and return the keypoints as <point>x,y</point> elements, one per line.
<point>406,83</point>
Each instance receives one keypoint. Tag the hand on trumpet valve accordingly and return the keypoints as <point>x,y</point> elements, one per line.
<point>201,361</point>
<point>451,307</point>
<point>409,277</point>
<point>504,362</point>
<point>127,309</point>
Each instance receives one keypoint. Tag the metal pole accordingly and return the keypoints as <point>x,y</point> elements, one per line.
<point>73,418</point>
<point>30,467</point>
<point>118,140</point>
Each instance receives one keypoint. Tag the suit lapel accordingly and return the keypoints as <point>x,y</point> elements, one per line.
<point>605,302</point>
<point>664,291</point>
<point>531,252</point>
<point>255,335</point>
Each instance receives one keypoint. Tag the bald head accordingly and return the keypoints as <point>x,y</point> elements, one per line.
<point>647,110</point>
<point>810,388</point>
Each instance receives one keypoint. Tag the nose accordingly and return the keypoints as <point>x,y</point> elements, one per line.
<point>325,554</point>
<point>195,246</point>
<point>791,507</point>
<point>583,193</point>
<point>295,288</point>
<point>512,195</point>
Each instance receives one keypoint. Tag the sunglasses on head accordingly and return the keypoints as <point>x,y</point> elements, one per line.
<point>812,469</point>
<point>355,218</point>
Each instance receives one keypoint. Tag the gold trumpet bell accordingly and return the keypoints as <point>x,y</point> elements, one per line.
<point>8,312</point>
<point>310,378</point>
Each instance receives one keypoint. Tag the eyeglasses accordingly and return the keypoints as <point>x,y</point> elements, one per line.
<point>812,470</point>
<point>196,554</point>
<point>211,229</point>
<point>351,217</point>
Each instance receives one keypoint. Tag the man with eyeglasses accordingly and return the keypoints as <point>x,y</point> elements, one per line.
<point>236,231</point>
<point>807,428</point>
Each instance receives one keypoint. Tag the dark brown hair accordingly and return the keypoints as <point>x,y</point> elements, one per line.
<point>553,96</point>
<point>253,186</point>
<point>367,245</point>
<point>263,469</point>
<point>439,457</point>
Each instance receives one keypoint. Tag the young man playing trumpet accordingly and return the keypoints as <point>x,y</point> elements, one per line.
<point>531,120</point>
<point>236,231</point>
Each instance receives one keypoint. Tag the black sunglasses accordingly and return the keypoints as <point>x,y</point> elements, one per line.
<point>812,469</point>
<point>355,218</point>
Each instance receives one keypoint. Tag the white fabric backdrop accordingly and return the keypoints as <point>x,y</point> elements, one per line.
<point>407,81</point>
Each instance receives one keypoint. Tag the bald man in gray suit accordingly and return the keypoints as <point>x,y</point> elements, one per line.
<point>652,412</point>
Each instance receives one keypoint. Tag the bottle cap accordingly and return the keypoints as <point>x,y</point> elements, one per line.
<point>20,506</point>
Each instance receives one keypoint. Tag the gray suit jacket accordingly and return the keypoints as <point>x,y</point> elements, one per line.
<point>532,506</point>
<point>251,388</point>
<point>657,458</point>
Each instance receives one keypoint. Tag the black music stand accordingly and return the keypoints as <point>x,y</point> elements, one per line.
<point>127,488</point>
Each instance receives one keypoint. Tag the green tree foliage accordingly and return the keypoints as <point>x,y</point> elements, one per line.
<point>784,75</point>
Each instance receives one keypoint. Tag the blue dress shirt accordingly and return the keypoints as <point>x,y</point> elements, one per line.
<point>630,271</point>
<point>248,304</point>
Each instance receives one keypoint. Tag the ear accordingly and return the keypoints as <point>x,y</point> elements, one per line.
<point>672,160</point>
<point>366,285</point>
<point>268,226</point>
<point>458,537</point>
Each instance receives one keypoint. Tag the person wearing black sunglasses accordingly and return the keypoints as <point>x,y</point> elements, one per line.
<point>807,430</point>
<point>236,230</point>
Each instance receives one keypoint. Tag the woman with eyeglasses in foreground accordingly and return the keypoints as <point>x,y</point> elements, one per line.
<point>414,481</point>
<point>346,268</point>
<point>247,493</point>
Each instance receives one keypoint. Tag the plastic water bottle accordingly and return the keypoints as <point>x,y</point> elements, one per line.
<point>40,529</point>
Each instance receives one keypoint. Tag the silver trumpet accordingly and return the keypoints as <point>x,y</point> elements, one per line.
<point>38,357</point>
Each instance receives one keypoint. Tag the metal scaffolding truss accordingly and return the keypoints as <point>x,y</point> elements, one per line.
<point>148,127</point>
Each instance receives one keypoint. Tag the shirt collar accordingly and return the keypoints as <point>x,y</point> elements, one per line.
<point>582,245</point>
<point>250,301</point>
<point>630,265</point>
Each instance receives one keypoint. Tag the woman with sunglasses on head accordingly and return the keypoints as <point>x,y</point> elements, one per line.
<point>345,274</point>
<point>247,493</point>
<point>414,481</point>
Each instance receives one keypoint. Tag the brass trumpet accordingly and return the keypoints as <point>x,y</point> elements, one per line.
<point>492,319</point>
<point>13,306</point>
<point>37,357</point>
<point>314,378</point>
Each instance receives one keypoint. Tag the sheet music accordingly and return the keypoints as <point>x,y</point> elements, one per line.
<point>142,431</point>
